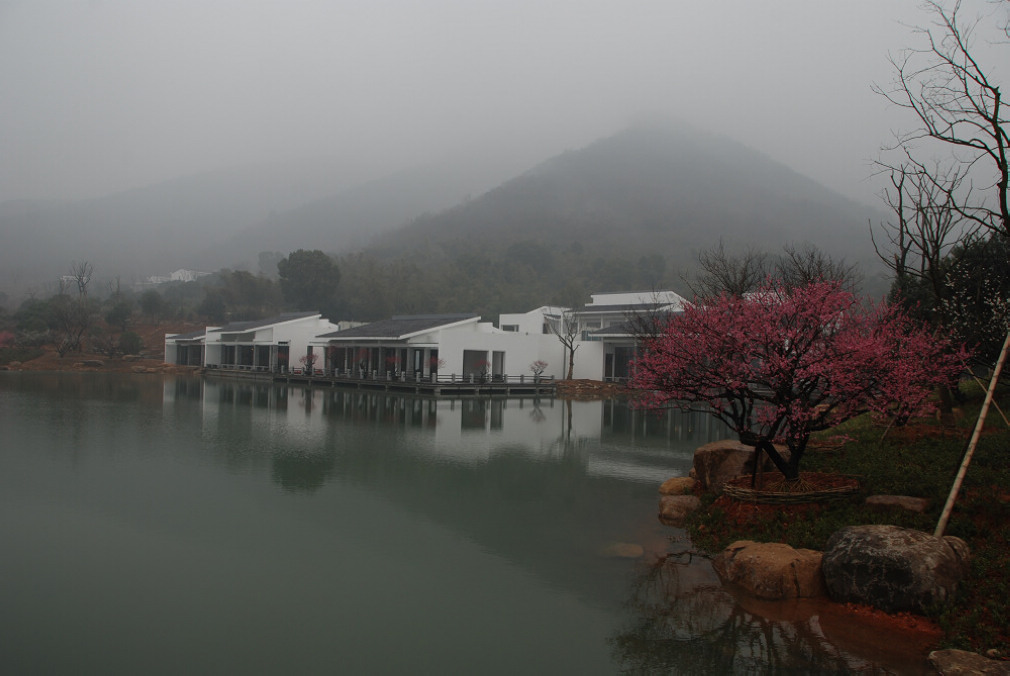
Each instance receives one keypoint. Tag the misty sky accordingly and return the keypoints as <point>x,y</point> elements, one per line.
<point>105,95</point>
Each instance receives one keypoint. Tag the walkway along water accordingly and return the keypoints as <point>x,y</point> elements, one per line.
<point>403,382</point>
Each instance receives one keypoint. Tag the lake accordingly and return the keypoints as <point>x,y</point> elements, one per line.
<point>184,525</point>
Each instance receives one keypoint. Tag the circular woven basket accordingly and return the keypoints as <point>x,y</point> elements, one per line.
<point>739,489</point>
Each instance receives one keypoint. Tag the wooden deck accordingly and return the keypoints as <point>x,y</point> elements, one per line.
<point>444,386</point>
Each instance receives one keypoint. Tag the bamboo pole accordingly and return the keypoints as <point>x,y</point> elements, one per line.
<point>998,409</point>
<point>955,489</point>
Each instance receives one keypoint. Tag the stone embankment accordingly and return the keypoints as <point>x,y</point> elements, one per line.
<point>891,569</point>
<point>589,390</point>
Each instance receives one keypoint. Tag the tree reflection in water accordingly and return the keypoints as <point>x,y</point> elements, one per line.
<point>685,622</point>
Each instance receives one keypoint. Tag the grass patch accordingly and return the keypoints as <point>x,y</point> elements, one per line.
<point>22,354</point>
<point>919,460</point>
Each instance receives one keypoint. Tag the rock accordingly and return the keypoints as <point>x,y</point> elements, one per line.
<point>917,505</point>
<point>624,550</point>
<point>771,570</point>
<point>678,485</point>
<point>131,357</point>
<point>674,509</point>
<point>951,662</point>
<point>891,568</point>
<point>14,364</point>
<point>93,363</point>
<point>718,462</point>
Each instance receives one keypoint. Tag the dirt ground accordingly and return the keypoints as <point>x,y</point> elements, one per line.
<point>151,359</point>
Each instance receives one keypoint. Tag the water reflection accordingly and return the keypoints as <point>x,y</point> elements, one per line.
<point>479,526</point>
<point>305,425</point>
<point>301,473</point>
<point>686,622</point>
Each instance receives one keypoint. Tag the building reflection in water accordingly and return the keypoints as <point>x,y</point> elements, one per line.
<point>461,430</point>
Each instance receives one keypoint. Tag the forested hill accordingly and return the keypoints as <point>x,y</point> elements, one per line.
<point>346,220</point>
<point>629,211</point>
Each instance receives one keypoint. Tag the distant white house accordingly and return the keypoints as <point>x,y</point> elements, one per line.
<point>181,275</point>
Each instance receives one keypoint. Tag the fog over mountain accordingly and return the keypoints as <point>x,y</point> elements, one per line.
<point>348,220</point>
<point>100,97</point>
<point>630,211</point>
<point>158,228</point>
<point>651,190</point>
<point>146,136</point>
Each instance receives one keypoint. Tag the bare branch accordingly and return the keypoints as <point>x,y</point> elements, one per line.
<point>727,274</point>
<point>956,104</point>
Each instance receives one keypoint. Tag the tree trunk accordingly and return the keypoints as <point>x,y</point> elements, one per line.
<point>790,470</point>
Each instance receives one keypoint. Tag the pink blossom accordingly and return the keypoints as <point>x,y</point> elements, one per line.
<point>783,363</point>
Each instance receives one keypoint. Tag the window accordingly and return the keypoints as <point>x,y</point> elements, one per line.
<point>510,327</point>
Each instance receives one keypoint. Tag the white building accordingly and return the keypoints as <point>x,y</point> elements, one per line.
<point>446,345</point>
<point>419,346</point>
<point>180,275</point>
<point>273,344</point>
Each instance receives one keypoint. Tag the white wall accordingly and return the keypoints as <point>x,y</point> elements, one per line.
<point>520,350</point>
<point>589,358</point>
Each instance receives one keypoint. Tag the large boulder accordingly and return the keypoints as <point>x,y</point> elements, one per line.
<point>678,485</point>
<point>717,462</point>
<point>891,568</point>
<point>951,662</point>
<point>674,509</point>
<point>771,570</point>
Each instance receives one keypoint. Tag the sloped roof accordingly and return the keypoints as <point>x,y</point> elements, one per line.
<point>400,327</point>
<point>188,336</point>
<point>628,307</point>
<point>241,327</point>
<point>631,328</point>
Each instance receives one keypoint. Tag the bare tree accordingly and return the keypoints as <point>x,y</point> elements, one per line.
<point>81,274</point>
<point>927,226</point>
<point>959,106</point>
<point>73,314</point>
<point>565,325</point>
<point>803,265</point>
<point>737,274</point>
<point>728,274</point>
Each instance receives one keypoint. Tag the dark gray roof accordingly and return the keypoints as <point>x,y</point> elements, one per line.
<point>188,336</point>
<point>399,327</point>
<point>630,328</point>
<point>239,327</point>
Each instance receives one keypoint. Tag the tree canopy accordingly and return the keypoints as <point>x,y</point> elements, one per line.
<point>783,362</point>
<point>309,280</point>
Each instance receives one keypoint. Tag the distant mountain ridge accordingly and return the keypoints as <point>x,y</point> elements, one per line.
<point>648,190</point>
<point>630,211</point>
<point>350,219</point>
<point>222,219</point>
<point>158,228</point>
<point>650,196</point>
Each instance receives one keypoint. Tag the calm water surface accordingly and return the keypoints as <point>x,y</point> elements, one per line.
<point>208,526</point>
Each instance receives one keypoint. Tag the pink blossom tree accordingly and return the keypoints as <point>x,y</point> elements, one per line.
<point>538,367</point>
<point>781,363</point>
<point>308,361</point>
